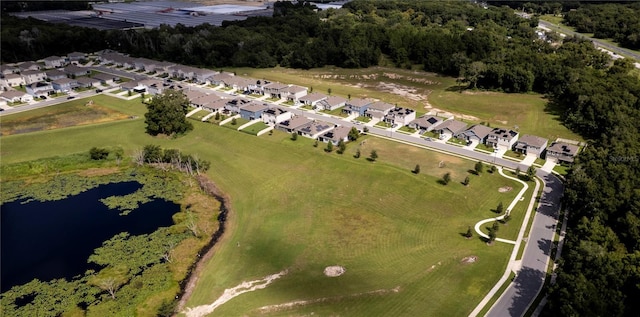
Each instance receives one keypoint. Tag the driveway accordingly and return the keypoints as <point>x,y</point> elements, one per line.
<point>529,159</point>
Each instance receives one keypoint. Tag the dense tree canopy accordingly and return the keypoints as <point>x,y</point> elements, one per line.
<point>166,114</point>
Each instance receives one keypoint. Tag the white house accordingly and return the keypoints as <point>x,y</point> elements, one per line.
<point>54,62</point>
<point>12,80</point>
<point>331,103</point>
<point>16,96</point>
<point>275,115</point>
<point>379,109</point>
<point>39,89</point>
<point>400,116</point>
<point>294,93</point>
<point>312,99</point>
<point>33,76</point>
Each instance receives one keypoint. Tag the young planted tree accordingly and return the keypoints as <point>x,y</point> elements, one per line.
<point>329,147</point>
<point>234,121</point>
<point>518,171</point>
<point>294,136</point>
<point>492,235</point>
<point>496,226</point>
<point>357,155</point>
<point>329,91</point>
<point>469,233</point>
<point>217,117</point>
<point>353,134</point>
<point>446,178</point>
<point>373,156</point>
<point>479,167</point>
<point>499,208</point>
<point>466,181</point>
<point>493,169</point>
<point>506,218</point>
<point>416,170</point>
<point>341,147</point>
<point>531,172</point>
<point>166,114</point>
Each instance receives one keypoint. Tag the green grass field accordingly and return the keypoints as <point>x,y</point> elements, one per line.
<point>417,90</point>
<point>299,208</point>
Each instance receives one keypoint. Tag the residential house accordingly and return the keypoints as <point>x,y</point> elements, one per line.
<point>292,124</point>
<point>144,64</point>
<point>315,129</point>
<point>331,103</point>
<point>275,115</point>
<point>64,84</point>
<point>155,88</point>
<point>425,123</point>
<point>39,89</point>
<point>55,74</point>
<point>562,152</point>
<point>313,99</point>
<point>399,116</point>
<point>87,82</point>
<point>193,94</point>
<point>12,80</point>
<point>106,79</point>
<point>294,93</point>
<point>476,133</point>
<point>234,105</point>
<point>202,75</point>
<point>76,57</point>
<point>203,100</point>
<point>253,110</point>
<point>220,78</point>
<point>76,71</point>
<point>379,109</point>
<point>29,66</point>
<point>16,96</point>
<point>6,69</point>
<point>239,83</point>
<point>449,128</point>
<point>115,58</point>
<point>357,106</point>
<point>276,90</point>
<point>33,76</point>
<point>336,135</point>
<point>54,62</point>
<point>502,138</point>
<point>531,144</point>
<point>210,103</point>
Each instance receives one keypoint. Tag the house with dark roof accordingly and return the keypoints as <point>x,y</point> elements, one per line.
<point>40,88</point>
<point>424,123</point>
<point>29,66</point>
<point>76,56</point>
<point>54,74</point>
<point>562,152</point>
<point>54,62</point>
<point>312,99</point>
<point>64,84</point>
<point>503,138</point>
<point>73,70</point>
<point>531,144</point>
<point>275,115</point>
<point>33,76</point>
<point>449,128</point>
<point>476,133</point>
<point>357,106</point>
<point>399,116</point>
<point>292,124</point>
<point>331,103</point>
<point>340,133</point>
<point>6,69</point>
<point>253,110</point>
<point>314,129</point>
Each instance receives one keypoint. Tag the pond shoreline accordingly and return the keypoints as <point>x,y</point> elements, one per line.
<point>188,284</point>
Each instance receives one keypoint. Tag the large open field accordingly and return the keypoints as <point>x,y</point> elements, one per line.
<point>297,208</point>
<point>425,92</point>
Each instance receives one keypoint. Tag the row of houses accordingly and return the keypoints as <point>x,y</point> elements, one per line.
<point>47,63</point>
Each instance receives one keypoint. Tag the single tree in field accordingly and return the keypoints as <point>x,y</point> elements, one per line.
<point>493,169</point>
<point>446,178</point>
<point>119,154</point>
<point>531,172</point>
<point>357,155</point>
<point>166,114</point>
<point>315,143</point>
<point>495,226</point>
<point>416,170</point>
<point>492,235</point>
<point>341,147</point>
<point>294,136</point>
<point>329,147</point>
<point>469,233</point>
<point>506,218</point>
<point>466,181</point>
<point>518,171</point>
<point>373,156</point>
<point>329,91</point>
<point>499,208</point>
<point>349,96</point>
<point>479,167</point>
<point>353,134</point>
<point>110,285</point>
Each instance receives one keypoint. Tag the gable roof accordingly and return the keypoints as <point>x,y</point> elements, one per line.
<point>105,76</point>
<point>335,100</point>
<point>63,81</point>
<point>313,97</point>
<point>532,140</point>
<point>27,65</point>
<point>294,122</point>
<point>73,69</point>
<point>564,148</point>
<point>502,133</point>
<point>337,134</point>
<point>254,107</point>
<point>12,94</point>
<point>87,80</point>
<point>53,58</point>
<point>479,130</point>
<point>315,127</point>
<point>294,89</point>
<point>426,121</point>
<point>275,111</point>
<point>193,94</point>
<point>55,73</point>
<point>381,106</point>
<point>32,72</point>
<point>207,100</point>
<point>454,126</point>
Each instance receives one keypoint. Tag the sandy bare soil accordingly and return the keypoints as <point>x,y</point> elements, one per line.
<point>334,271</point>
<point>505,189</point>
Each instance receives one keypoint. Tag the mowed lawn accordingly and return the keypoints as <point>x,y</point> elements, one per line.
<point>298,208</point>
<point>418,90</point>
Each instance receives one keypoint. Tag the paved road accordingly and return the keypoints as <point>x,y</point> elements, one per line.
<point>614,48</point>
<point>529,280</point>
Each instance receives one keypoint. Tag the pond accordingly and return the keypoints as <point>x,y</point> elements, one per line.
<point>54,239</point>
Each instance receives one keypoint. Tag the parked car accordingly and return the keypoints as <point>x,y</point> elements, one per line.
<point>71,97</point>
<point>98,91</point>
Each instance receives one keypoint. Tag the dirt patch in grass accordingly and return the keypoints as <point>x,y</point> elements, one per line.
<point>334,271</point>
<point>401,90</point>
<point>73,115</point>
<point>443,113</point>
<point>505,189</point>
<point>469,259</point>
<point>92,172</point>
